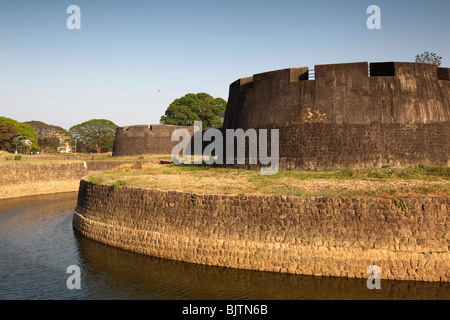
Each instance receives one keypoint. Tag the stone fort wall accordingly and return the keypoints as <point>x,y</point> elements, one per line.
<point>21,179</point>
<point>298,235</point>
<point>391,92</point>
<point>143,139</point>
<point>306,146</point>
<point>351,115</point>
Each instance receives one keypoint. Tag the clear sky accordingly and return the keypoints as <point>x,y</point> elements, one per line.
<point>131,59</point>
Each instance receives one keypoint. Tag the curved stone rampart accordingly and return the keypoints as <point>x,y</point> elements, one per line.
<point>391,92</point>
<point>299,235</point>
<point>356,115</point>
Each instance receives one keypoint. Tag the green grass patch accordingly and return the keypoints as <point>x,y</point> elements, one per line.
<point>119,183</point>
<point>418,181</point>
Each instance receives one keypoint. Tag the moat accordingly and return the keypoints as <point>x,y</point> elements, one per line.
<point>37,244</point>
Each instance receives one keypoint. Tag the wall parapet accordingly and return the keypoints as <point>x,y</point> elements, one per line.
<point>298,235</point>
<point>353,93</point>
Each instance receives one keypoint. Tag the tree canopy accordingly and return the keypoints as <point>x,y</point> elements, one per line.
<point>7,134</point>
<point>195,107</point>
<point>43,129</point>
<point>25,139</point>
<point>429,57</point>
<point>50,137</point>
<point>97,135</point>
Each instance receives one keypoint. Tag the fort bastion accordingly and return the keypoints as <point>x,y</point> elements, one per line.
<point>357,115</point>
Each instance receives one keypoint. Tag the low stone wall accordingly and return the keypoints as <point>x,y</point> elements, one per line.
<point>299,235</point>
<point>20,179</point>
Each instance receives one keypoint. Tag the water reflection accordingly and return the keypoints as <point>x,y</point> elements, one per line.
<point>142,277</point>
<point>37,244</point>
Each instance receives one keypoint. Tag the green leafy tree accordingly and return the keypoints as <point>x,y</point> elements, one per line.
<point>195,107</point>
<point>429,57</point>
<point>50,137</point>
<point>49,144</point>
<point>7,134</point>
<point>96,135</point>
<point>25,138</point>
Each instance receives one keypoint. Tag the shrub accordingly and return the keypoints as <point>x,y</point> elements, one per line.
<point>401,204</point>
<point>119,183</point>
<point>194,199</point>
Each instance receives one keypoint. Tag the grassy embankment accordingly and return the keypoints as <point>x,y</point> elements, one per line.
<point>419,181</point>
<point>6,157</point>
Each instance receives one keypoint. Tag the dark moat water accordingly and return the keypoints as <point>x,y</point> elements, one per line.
<point>37,245</point>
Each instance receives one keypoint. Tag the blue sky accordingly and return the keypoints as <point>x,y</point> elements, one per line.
<point>131,59</point>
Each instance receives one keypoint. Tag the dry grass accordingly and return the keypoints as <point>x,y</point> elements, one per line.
<point>6,157</point>
<point>418,181</point>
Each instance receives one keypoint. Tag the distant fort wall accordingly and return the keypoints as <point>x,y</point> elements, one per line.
<point>143,139</point>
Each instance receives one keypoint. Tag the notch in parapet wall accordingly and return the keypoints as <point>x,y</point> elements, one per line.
<point>382,69</point>
<point>135,128</point>
<point>299,74</point>
<point>443,74</point>
<point>284,75</point>
<point>414,70</point>
<point>403,69</point>
<point>246,83</point>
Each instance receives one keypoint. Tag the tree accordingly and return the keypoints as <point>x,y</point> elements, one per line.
<point>195,107</point>
<point>97,134</point>
<point>50,137</point>
<point>7,134</point>
<point>429,57</point>
<point>25,138</point>
<point>49,144</point>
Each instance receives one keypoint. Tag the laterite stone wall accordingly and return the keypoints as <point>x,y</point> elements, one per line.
<point>299,235</point>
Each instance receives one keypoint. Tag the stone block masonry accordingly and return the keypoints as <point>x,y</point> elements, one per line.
<point>20,179</point>
<point>304,146</point>
<point>392,92</point>
<point>143,139</point>
<point>298,235</point>
<point>356,115</point>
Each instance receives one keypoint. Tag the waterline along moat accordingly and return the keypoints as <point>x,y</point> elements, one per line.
<point>339,237</point>
<point>37,244</point>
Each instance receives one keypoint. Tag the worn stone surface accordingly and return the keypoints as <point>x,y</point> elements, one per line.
<point>299,235</point>
<point>143,139</point>
<point>20,179</point>
<point>399,115</point>
<point>395,92</point>
<point>396,114</point>
<point>304,146</point>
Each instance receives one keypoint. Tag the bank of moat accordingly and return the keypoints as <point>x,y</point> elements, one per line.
<point>289,234</point>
